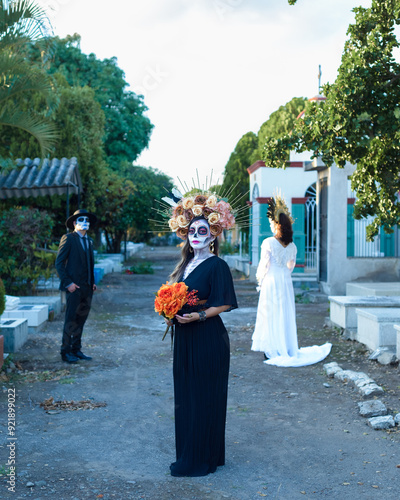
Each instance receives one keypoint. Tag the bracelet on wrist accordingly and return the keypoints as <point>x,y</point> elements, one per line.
<point>202,315</point>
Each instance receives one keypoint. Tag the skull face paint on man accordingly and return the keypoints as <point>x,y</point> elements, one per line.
<point>82,223</point>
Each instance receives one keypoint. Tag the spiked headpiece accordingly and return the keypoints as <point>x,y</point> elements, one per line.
<point>179,210</point>
<point>277,206</point>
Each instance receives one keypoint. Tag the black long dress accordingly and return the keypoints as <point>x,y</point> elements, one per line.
<point>201,369</point>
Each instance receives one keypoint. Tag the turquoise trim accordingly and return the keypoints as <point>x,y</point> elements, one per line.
<point>387,243</point>
<point>299,234</point>
<point>350,230</point>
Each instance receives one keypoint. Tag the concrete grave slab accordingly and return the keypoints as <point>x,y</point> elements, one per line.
<point>12,302</point>
<point>375,327</point>
<point>36,315</point>
<point>397,330</point>
<point>15,333</point>
<point>388,289</point>
<point>343,307</point>
<point>53,301</point>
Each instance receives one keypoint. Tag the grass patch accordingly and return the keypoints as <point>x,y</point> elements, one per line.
<point>140,268</point>
<point>4,471</point>
<point>32,376</point>
<point>301,299</point>
<point>67,381</point>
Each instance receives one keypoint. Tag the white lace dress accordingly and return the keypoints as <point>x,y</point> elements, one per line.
<point>275,332</point>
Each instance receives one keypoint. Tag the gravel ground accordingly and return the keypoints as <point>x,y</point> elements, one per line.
<point>288,436</point>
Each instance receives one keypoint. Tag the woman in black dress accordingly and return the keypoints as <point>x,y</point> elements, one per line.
<point>201,354</point>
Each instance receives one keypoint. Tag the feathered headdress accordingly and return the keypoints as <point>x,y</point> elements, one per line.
<point>277,206</point>
<point>179,210</point>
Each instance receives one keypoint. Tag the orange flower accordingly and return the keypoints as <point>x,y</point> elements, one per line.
<point>180,288</point>
<point>165,292</point>
<point>170,299</point>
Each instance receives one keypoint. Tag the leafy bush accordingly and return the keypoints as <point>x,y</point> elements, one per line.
<point>2,297</point>
<point>140,268</point>
<point>24,232</point>
<point>226,248</point>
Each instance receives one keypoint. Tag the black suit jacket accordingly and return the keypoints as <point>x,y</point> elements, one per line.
<point>71,261</point>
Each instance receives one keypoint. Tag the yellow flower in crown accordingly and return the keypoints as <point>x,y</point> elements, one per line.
<point>173,224</point>
<point>197,210</point>
<point>213,218</point>
<point>182,221</point>
<point>211,201</point>
<point>187,203</point>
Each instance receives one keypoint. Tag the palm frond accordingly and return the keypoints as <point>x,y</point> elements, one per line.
<point>18,77</point>
<point>27,83</point>
<point>22,19</point>
<point>44,131</point>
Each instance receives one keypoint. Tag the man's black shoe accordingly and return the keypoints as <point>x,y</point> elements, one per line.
<point>80,355</point>
<point>69,358</point>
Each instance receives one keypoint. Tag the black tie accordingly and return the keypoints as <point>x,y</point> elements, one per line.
<point>86,244</point>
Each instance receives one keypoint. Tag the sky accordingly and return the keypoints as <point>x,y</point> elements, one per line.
<point>209,70</point>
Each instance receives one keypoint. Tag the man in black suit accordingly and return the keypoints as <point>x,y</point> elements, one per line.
<point>75,267</point>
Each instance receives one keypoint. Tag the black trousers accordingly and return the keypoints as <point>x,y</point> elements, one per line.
<point>76,313</point>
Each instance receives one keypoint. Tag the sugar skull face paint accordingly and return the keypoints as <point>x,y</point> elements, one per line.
<point>199,234</point>
<point>82,223</point>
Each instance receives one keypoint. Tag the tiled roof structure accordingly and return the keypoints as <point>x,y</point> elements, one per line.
<point>37,178</point>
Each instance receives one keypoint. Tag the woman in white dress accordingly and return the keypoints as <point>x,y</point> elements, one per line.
<point>275,332</point>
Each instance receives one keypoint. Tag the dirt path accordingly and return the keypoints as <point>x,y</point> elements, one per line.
<point>288,436</point>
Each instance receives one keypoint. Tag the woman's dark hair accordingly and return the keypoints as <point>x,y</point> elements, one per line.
<point>284,230</point>
<point>187,255</point>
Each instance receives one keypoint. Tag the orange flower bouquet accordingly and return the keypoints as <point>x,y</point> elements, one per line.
<point>170,299</point>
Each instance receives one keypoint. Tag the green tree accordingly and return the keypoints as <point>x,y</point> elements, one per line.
<point>279,124</point>
<point>80,120</point>
<point>21,22</point>
<point>359,121</point>
<point>129,205</point>
<point>127,129</point>
<point>236,177</point>
<point>2,297</point>
<point>249,149</point>
<point>23,233</point>
<point>150,186</point>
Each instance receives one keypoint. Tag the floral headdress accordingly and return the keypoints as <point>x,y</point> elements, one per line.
<point>277,206</point>
<point>177,210</point>
<point>215,210</point>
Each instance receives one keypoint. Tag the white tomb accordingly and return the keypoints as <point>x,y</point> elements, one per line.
<point>11,302</point>
<point>397,330</point>
<point>36,315</point>
<point>343,307</point>
<point>382,288</point>
<point>375,327</point>
<point>53,301</point>
<point>15,333</point>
